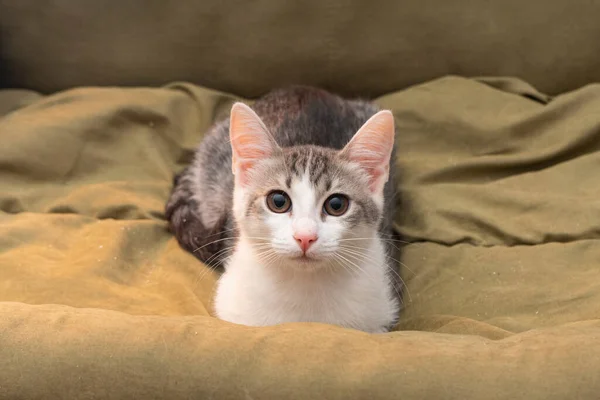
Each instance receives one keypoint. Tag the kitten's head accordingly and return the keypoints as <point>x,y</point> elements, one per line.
<point>304,205</point>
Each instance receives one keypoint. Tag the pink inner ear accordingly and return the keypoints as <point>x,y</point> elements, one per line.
<point>371,148</point>
<point>242,172</point>
<point>250,140</point>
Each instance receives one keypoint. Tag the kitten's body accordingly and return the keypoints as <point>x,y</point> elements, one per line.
<point>310,126</point>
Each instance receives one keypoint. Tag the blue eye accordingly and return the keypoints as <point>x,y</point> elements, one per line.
<point>278,201</point>
<point>336,205</point>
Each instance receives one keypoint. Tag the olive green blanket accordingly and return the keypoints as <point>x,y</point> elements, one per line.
<point>500,204</point>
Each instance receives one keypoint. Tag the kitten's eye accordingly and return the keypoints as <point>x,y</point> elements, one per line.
<point>336,205</point>
<point>278,202</point>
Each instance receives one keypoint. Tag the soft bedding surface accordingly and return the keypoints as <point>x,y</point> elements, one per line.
<point>500,208</point>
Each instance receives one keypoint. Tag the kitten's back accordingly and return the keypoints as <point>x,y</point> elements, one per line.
<point>199,210</point>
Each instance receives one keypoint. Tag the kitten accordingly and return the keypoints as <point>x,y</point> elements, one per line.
<point>296,198</point>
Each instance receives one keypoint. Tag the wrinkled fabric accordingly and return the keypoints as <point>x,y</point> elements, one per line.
<point>498,215</point>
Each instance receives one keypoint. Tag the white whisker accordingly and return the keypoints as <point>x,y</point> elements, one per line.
<point>390,257</point>
<point>361,257</point>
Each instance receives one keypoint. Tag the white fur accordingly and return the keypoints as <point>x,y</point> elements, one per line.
<point>251,293</point>
<point>259,290</point>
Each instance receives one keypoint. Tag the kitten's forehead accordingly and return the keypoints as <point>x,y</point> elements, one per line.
<point>317,165</point>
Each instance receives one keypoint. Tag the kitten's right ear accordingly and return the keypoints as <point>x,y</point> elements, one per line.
<point>250,140</point>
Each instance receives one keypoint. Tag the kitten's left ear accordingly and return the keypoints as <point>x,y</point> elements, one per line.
<point>250,140</point>
<point>371,148</point>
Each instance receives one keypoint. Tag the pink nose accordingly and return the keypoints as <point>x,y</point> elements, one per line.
<point>305,240</point>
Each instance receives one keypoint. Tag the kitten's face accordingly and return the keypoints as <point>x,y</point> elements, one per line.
<point>306,205</point>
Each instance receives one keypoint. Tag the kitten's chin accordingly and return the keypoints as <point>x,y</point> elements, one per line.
<point>305,259</point>
<point>305,262</point>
